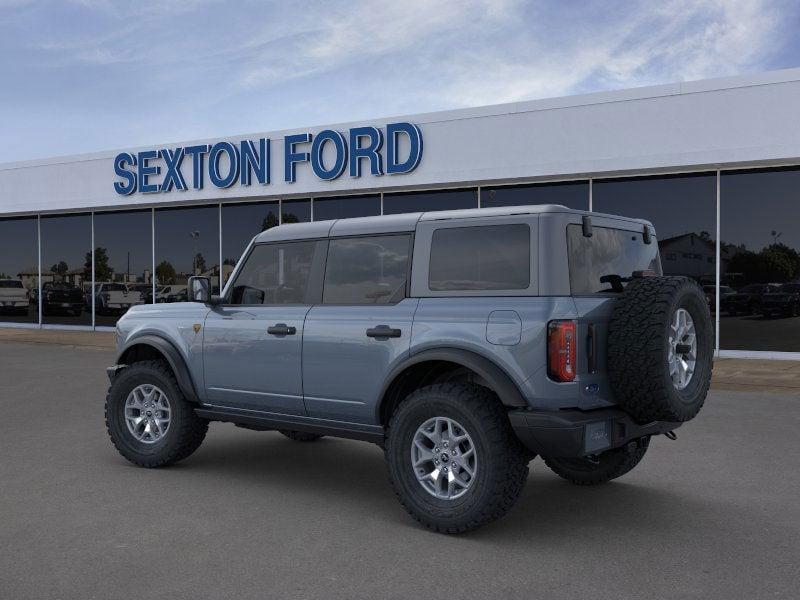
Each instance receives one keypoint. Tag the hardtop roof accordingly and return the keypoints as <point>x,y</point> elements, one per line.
<point>407,222</point>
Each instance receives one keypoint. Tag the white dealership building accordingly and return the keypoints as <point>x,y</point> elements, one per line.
<point>714,164</point>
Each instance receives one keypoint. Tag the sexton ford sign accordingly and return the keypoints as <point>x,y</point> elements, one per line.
<point>224,164</point>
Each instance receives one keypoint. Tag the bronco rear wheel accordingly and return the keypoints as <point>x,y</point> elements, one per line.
<point>601,468</point>
<point>149,420</point>
<point>452,457</point>
<point>661,349</point>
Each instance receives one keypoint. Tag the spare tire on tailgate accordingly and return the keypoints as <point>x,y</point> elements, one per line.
<point>660,349</point>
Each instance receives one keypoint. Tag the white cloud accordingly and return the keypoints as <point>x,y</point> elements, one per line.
<point>654,43</point>
<point>199,68</point>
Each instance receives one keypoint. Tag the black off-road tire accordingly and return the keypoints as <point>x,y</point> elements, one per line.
<point>638,340</point>
<point>502,467</point>
<point>300,436</point>
<point>601,468</point>
<point>186,430</point>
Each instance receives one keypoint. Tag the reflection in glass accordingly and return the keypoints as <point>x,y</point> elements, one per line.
<point>369,270</point>
<point>19,270</point>
<point>760,246</point>
<point>66,269</point>
<point>296,211</point>
<point>123,263</point>
<point>346,207</point>
<point>605,261</point>
<point>187,243</point>
<point>240,224</point>
<point>429,201</point>
<point>572,194</point>
<point>275,274</point>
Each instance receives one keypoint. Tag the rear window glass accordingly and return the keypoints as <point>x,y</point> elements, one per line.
<point>10,283</point>
<point>367,270</point>
<point>594,262</point>
<point>488,257</point>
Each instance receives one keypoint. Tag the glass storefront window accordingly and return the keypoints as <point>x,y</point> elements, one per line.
<point>429,201</point>
<point>66,269</point>
<point>346,207</point>
<point>187,243</point>
<point>760,260</point>
<point>683,210</point>
<point>295,211</point>
<point>240,224</point>
<point>19,270</point>
<point>123,263</point>
<point>572,194</point>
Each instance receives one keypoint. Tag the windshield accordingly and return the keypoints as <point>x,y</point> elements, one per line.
<point>10,283</point>
<point>605,261</point>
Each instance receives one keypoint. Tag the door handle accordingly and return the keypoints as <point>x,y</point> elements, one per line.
<point>281,329</point>
<point>383,331</point>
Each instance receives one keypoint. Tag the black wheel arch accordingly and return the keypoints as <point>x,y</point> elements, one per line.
<point>148,347</point>
<point>412,373</point>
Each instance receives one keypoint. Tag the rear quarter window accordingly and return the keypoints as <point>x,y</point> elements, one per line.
<point>607,252</point>
<point>486,257</point>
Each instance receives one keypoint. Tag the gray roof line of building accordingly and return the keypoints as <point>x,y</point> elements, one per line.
<point>623,95</point>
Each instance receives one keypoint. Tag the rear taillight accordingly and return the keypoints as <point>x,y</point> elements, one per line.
<point>561,350</point>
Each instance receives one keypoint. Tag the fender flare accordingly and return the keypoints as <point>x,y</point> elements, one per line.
<point>497,378</point>
<point>176,362</point>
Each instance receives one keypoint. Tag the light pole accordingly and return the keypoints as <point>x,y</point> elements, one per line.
<point>195,235</point>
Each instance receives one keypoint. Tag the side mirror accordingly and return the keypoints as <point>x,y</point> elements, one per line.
<point>200,289</point>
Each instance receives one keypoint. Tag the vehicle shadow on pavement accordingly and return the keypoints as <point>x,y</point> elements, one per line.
<point>351,476</point>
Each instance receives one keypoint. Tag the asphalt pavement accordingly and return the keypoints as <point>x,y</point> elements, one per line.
<point>715,514</point>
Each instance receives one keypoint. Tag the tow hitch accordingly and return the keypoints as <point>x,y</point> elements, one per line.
<point>671,435</point>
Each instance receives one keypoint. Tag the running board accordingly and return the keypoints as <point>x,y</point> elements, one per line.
<point>267,420</point>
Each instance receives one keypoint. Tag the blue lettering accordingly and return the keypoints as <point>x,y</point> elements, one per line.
<point>370,151</point>
<point>213,164</point>
<point>317,149</point>
<point>393,131</point>
<point>146,170</point>
<point>122,159</point>
<point>197,153</point>
<point>173,176</point>
<point>290,157</point>
<point>254,162</point>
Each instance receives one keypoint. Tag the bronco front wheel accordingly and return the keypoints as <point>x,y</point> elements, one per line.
<point>453,459</point>
<point>148,419</point>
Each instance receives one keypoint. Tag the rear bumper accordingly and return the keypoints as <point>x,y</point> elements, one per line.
<point>574,433</point>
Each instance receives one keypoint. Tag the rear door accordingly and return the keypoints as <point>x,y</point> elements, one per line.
<point>252,342</point>
<point>361,329</point>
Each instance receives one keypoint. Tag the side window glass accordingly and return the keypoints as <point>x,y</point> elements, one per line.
<point>275,274</point>
<point>484,257</point>
<point>368,270</point>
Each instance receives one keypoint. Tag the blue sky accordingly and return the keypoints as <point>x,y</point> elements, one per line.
<point>88,75</point>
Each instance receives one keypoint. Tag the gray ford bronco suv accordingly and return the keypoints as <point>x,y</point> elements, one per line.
<point>464,343</point>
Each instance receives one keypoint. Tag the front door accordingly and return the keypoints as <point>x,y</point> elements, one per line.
<point>253,340</point>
